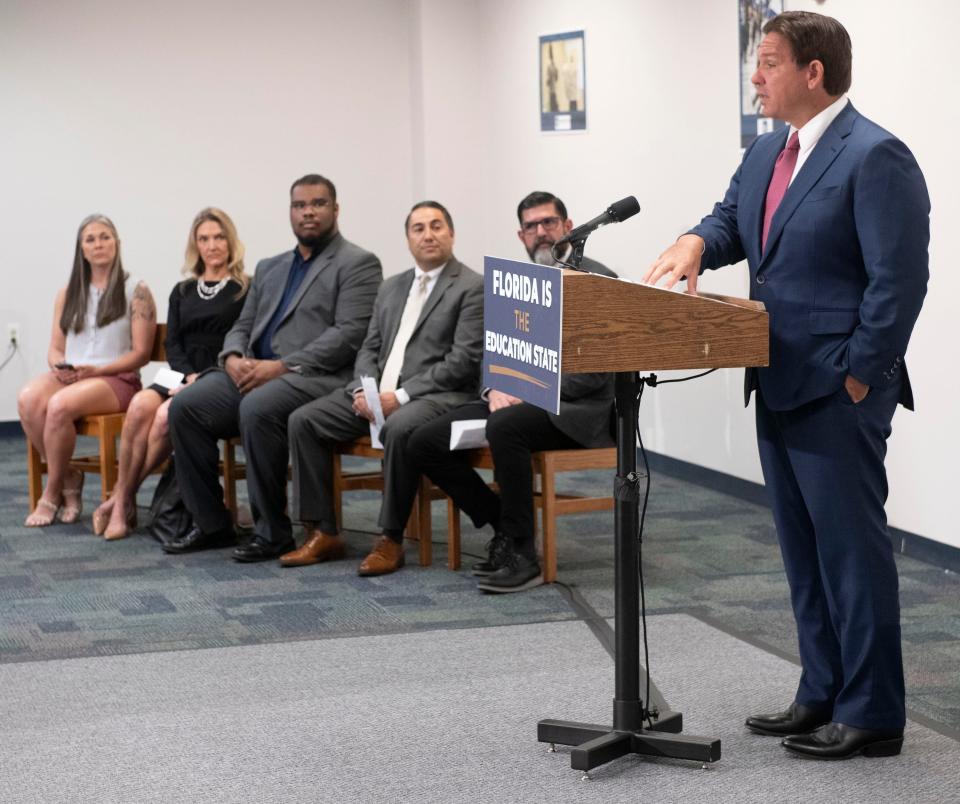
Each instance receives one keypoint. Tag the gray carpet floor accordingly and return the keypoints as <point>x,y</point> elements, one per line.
<point>442,716</point>
<point>128,675</point>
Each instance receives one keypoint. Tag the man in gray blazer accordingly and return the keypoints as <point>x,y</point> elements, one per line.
<point>514,431</point>
<point>295,340</point>
<point>423,347</point>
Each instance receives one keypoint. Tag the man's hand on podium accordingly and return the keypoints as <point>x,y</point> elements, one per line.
<point>681,260</point>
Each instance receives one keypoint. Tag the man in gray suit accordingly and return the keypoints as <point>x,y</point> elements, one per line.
<point>514,431</point>
<point>295,340</point>
<point>423,348</point>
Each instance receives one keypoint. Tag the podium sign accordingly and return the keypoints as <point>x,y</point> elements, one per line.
<point>523,326</point>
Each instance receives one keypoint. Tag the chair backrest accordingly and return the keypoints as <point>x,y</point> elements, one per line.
<point>159,354</point>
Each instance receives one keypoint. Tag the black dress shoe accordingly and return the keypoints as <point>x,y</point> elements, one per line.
<point>798,719</point>
<point>837,741</point>
<point>195,539</point>
<point>498,548</point>
<point>518,573</point>
<point>260,550</point>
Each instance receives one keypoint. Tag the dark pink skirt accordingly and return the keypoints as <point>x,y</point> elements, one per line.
<point>124,386</point>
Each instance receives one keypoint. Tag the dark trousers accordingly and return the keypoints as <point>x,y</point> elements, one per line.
<point>213,408</point>
<point>514,433</point>
<point>316,429</point>
<point>823,466</point>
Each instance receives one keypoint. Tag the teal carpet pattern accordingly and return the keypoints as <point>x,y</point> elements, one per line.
<point>64,593</point>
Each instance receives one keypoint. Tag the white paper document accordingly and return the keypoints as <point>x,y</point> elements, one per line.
<point>468,434</point>
<point>372,395</point>
<point>168,378</point>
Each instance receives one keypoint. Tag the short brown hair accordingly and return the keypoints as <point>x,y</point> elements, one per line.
<point>815,37</point>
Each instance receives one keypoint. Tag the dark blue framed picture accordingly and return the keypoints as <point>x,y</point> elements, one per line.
<point>754,14</point>
<point>563,82</point>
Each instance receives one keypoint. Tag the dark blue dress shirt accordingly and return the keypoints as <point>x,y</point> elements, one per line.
<point>262,348</point>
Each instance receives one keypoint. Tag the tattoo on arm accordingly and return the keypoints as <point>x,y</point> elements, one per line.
<point>143,307</point>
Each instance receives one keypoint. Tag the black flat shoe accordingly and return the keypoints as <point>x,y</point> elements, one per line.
<point>195,540</point>
<point>797,719</point>
<point>837,741</point>
<point>260,550</point>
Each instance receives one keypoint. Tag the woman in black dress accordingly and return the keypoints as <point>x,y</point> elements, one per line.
<point>201,310</point>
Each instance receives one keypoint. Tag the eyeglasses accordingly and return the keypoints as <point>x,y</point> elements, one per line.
<point>529,227</point>
<point>316,203</point>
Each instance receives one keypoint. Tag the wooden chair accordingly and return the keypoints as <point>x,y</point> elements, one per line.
<point>105,428</point>
<point>418,526</point>
<point>231,472</point>
<point>546,466</point>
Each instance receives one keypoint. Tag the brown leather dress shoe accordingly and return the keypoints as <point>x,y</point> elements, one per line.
<point>318,547</point>
<point>385,557</point>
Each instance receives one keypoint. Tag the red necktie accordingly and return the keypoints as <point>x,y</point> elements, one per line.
<point>779,181</point>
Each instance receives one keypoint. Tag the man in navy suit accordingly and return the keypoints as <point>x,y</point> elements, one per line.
<point>832,216</point>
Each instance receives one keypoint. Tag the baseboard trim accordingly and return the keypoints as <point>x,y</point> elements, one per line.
<point>904,542</point>
<point>10,429</point>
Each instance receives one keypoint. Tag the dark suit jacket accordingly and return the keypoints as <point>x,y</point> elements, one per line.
<point>845,269</point>
<point>442,358</point>
<point>586,400</point>
<point>324,324</point>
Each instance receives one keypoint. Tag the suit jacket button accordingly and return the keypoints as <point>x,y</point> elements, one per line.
<point>761,279</point>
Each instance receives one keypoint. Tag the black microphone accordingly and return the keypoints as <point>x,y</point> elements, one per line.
<point>617,212</point>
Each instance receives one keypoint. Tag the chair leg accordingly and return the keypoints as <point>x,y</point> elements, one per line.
<point>229,453</point>
<point>549,519</point>
<point>35,469</point>
<point>338,489</point>
<point>108,462</point>
<point>453,535</point>
<point>421,512</point>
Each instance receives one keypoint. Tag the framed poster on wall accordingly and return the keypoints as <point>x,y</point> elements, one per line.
<point>754,14</point>
<point>563,84</point>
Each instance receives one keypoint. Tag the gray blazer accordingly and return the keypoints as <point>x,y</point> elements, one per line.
<point>323,326</point>
<point>442,358</point>
<point>586,400</point>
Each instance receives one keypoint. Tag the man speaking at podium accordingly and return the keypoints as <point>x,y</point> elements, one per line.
<point>832,216</point>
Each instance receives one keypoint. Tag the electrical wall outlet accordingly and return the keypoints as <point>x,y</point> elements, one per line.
<point>14,333</point>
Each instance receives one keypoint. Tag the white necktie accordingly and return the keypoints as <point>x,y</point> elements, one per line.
<point>411,313</point>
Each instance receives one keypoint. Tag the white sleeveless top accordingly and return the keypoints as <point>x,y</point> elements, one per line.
<point>98,346</point>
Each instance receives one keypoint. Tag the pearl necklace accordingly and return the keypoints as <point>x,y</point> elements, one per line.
<point>206,293</point>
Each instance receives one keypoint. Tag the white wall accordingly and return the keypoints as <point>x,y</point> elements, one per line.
<point>149,115</point>
<point>663,124</point>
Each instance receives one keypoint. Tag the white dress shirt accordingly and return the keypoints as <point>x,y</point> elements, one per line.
<point>813,130</point>
<point>402,396</point>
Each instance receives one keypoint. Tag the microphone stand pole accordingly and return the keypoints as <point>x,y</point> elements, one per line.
<point>576,254</point>
<point>598,744</point>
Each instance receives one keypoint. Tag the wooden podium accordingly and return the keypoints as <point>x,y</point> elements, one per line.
<point>618,326</point>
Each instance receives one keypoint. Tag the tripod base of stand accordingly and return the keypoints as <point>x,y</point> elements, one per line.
<point>596,745</point>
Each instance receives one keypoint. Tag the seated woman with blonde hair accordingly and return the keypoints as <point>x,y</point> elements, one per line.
<point>103,329</point>
<point>201,310</point>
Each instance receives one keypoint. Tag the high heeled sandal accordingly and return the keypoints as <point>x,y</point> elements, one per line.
<point>101,519</point>
<point>70,513</point>
<point>126,530</point>
<point>35,520</point>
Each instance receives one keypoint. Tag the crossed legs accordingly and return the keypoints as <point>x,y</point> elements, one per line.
<point>144,445</point>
